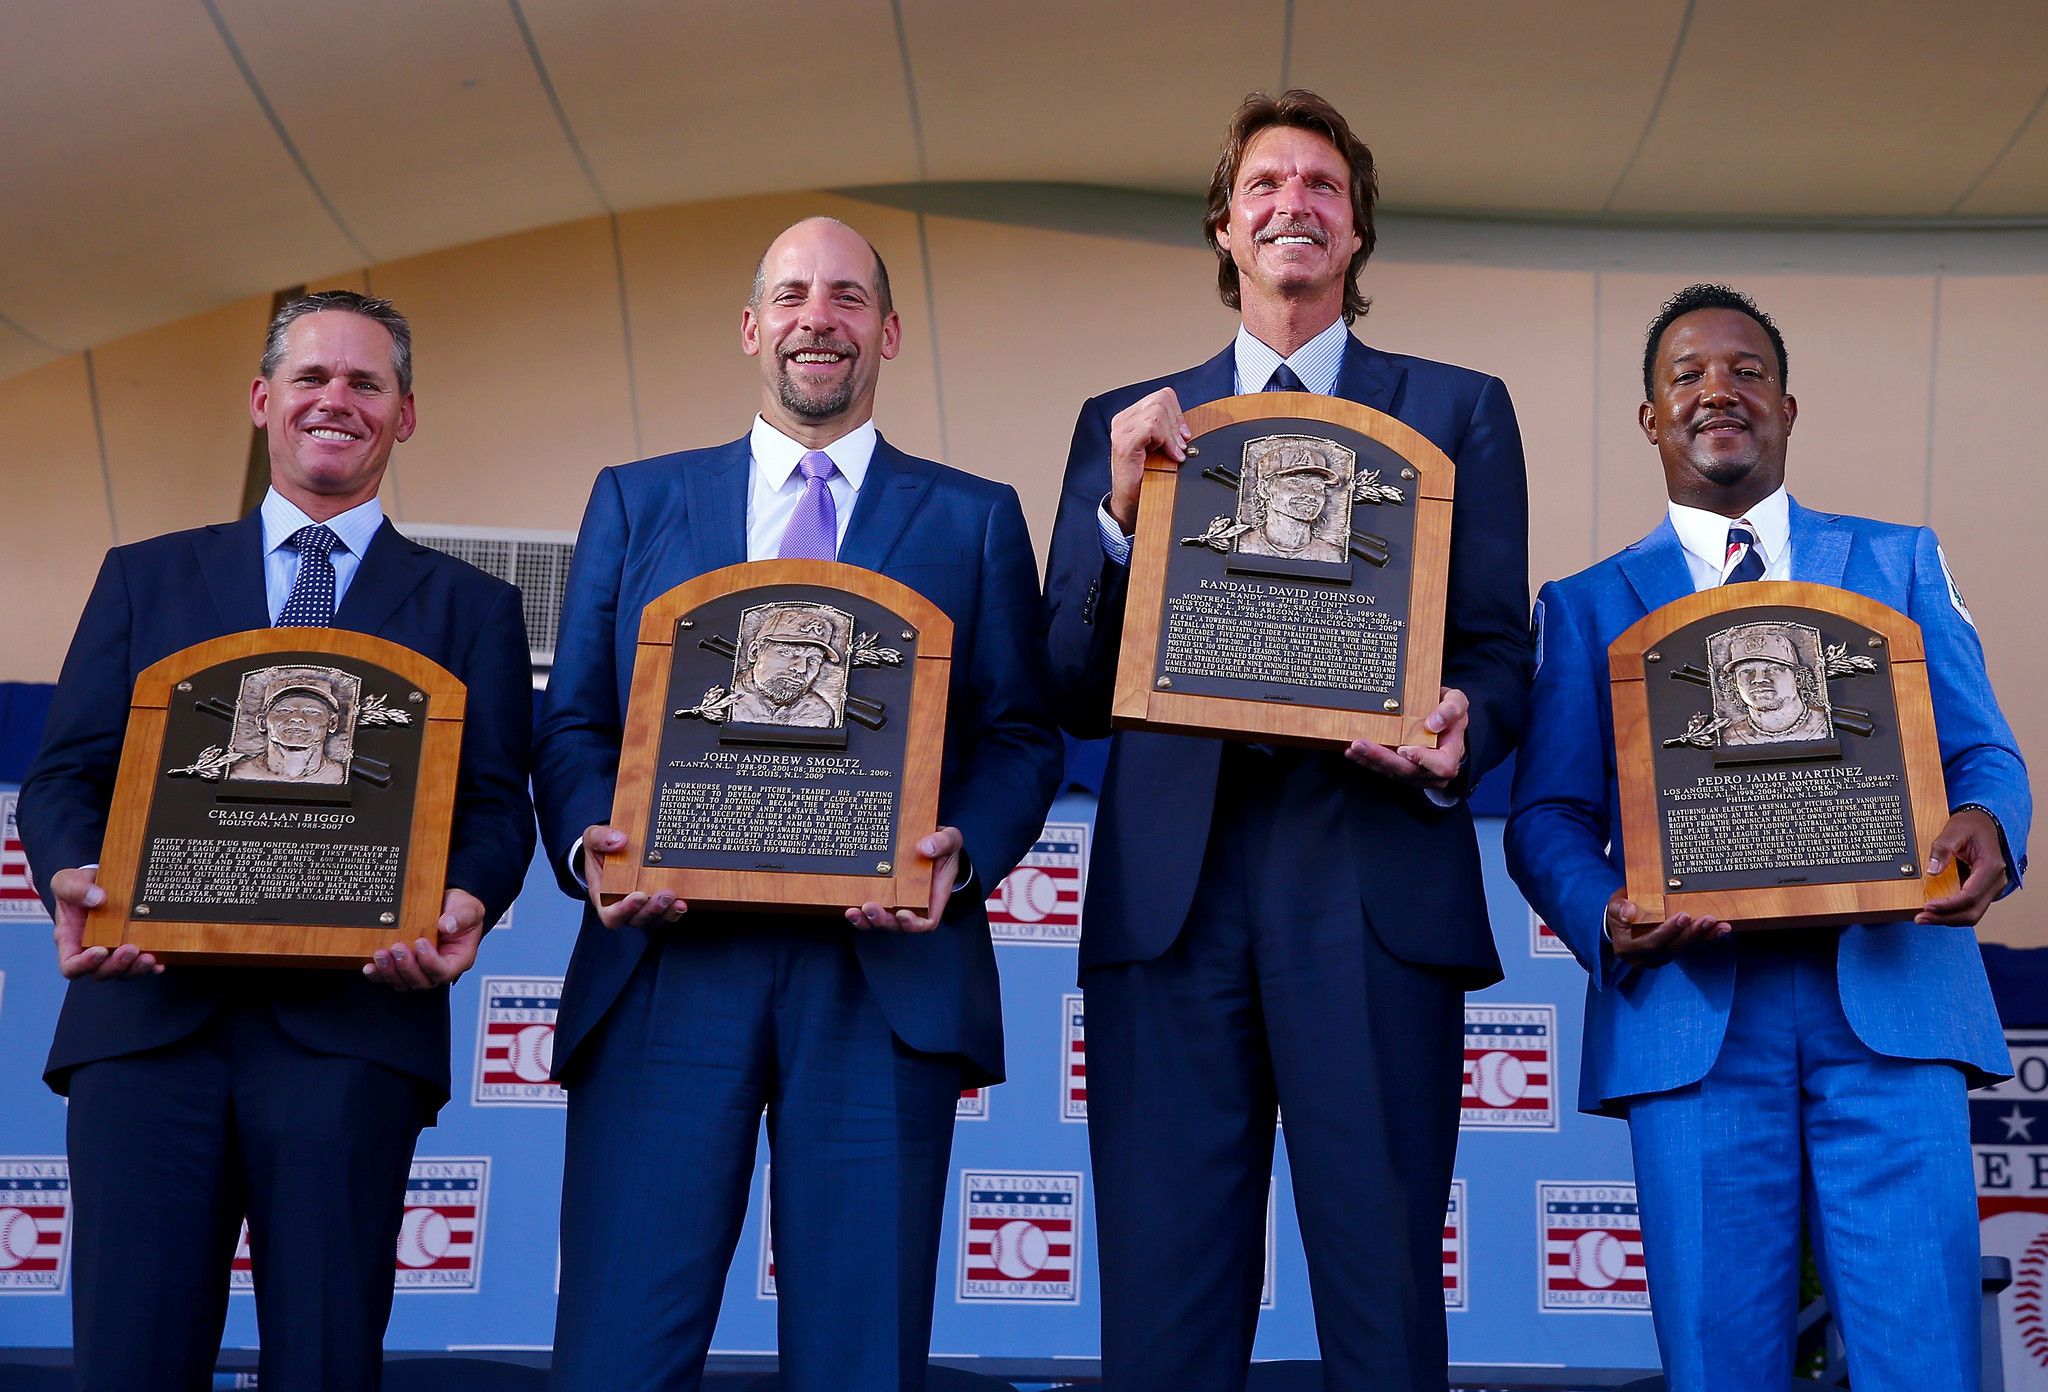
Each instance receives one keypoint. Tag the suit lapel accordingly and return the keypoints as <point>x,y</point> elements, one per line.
<point>391,569</point>
<point>231,559</point>
<point>1367,377</point>
<point>1820,546</point>
<point>1656,569</point>
<point>889,497</point>
<point>716,491</point>
<point>1212,381</point>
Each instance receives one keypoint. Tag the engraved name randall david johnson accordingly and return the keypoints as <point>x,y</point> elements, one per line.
<point>1768,684</point>
<point>789,670</point>
<point>295,724</point>
<point>1295,494</point>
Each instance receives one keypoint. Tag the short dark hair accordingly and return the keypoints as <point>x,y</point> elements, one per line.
<point>347,301</point>
<point>1706,296</point>
<point>883,299</point>
<point>1304,110</point>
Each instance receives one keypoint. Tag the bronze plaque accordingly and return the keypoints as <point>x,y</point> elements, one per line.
<point>1288,579</point>
<point>285,796</point>
<point>791,715</point>
<point>1779,746</point>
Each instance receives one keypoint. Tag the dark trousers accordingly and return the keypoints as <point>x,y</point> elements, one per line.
<point>170,1149</point>
<point>1276,993</point>
<point>718,1022</point>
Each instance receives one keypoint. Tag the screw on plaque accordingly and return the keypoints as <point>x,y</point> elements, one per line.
<point>1653,656</point>
<point>1873,642</point>
<point>908,634</point>
<point>1407,473</point>
<point>387,918</point>
<point>1164,683</point>
<point>142,911</point>
<point>416,696</point>
<point>1390,704</point>
<point>1906,870</point>
<point>184,686</point>
<point>1194,453</point>
<point>687,623</point>
<point>882,867</point>
<point>654,857</point>
<point>1673,884</point>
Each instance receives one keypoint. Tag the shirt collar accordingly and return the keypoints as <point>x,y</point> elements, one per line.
<point>1705,534</point>
<point>776,455</point>
<point>1316,362</point>
<point>354,528</point>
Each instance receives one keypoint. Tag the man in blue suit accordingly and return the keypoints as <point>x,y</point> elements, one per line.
<point>675,1032</point>
<point>1757,1068</point>
<point>201,1094</point>
<point>1281,928</point>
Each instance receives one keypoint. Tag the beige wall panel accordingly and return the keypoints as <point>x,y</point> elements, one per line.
<point>174,402</point>
<point>53,516</point>
<point>520,372</point>
<point>1035,322</point>
<point>1628,495</point>
<point>1533,330</point>
<point>688,272</point>
<point>1988,508</point>
<point>2017,186</point>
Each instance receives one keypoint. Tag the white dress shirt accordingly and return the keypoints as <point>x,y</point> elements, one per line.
<point>281,518</point>
<point>775,487</point>
<point>1704,536</point>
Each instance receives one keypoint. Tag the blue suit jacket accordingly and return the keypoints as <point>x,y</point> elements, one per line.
<point>1416,865</point>
<point>159,596</point>
<point>957,540</point>
<point>1909,990</point>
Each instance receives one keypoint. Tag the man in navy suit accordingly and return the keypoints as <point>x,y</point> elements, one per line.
<point>202,1094</point>
<point>856,1035</point>
<point>1753,1067</point>
<point>1268,926</point>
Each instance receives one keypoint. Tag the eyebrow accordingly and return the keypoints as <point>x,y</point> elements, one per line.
<point>797,283</point>
<point>1695,357</point>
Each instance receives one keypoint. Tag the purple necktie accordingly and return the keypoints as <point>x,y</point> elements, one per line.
<point>813,532</point>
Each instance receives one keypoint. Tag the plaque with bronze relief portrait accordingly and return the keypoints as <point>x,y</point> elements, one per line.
<point>1777,758</point>
<point>1288,580</point>
<point>783,741</point>
<point>284,798</point>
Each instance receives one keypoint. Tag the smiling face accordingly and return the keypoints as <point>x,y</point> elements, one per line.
<point>1291,229</point>
<point>1302,494</point>
<point>332,411</point>
<point>1718,414</point>
<point>299,722</point>
<point>820,331</point>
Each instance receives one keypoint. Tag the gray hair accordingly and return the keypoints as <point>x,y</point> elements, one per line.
<point>347,301</point>
<point>883,298</point>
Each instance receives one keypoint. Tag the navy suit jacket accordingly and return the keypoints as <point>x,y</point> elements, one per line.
<point>959,541</point>
<point>1416,865</point>
<point>1909,990</point>
<point>159,596</point>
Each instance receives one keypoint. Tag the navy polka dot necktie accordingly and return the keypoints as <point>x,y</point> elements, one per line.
<point>311,602</point>
<point>1749,564</point>
<point>1283,379</point>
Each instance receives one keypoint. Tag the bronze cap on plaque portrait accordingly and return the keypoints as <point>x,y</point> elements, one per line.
<point>1288,580</point>
<point>783,741</point>
<point>1777,758</point>
<point>284,798</point>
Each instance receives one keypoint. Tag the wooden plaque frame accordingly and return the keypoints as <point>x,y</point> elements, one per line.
<point>908,883</point>
<point>278,944</point>
<point>1633,657</point>
<point>1139,702</point>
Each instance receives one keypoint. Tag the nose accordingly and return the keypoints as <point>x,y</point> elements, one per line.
<point>1717,388</point>
<point>819,311</point>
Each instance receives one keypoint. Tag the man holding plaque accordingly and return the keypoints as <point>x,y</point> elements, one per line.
<point>1751,1066</point>
<point>1268,926</point>
<point>676,1031</point>
<point>202,1094</point>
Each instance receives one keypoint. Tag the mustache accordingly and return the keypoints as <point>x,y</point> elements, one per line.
<point>1309,230</point>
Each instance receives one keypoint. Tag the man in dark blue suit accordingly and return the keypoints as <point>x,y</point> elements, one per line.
<point>202,1094</point>
<point>1765,1075</point>
<point>1271,927</point>
<point>675,1032</point>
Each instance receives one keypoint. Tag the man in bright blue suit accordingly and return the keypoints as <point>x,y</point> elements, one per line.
<point>203,1094</point>
<point>1761,1070</point>
<point>856,1035</point>
<point>1284,928</point>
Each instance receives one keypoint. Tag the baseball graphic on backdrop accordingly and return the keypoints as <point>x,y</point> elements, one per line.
<point>423,1238</point>
<point>532,1053</point>
<point>1499,1079</point>
<point>18,1237</point>
<point>1019,1249</point>
<point>1031,895</point>
<point>1598,1260</point>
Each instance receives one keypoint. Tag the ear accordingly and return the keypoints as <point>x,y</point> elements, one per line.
<point>408,420</point>
<point>259,403</point>
<point>892,336</point>
<point>1791,412</point>
<point>750,333</point>
<point>1646,416</point>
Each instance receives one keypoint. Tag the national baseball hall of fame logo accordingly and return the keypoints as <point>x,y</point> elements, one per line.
<point>515,1042</point>
<point>1592,1248</point>
<point>1454,1247</point>
<point>1073,1058</point>
<point>2009,1141</point>
<point>17,886</point>
<point>1040,901</point>
<point>764,1268</point>
<point>1543,939</point>
<point>972,1105</point>
<point>1020,1238</point>
<point>1510,1068</point>
<point>35,1224</point>
<point>441,1237</point>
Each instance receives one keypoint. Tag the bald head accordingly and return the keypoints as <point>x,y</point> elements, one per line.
<point>879,288</point>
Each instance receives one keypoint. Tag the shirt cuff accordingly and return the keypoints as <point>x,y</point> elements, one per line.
<point>576,864</point>
<point>1115,544</point>
<point>1442,797</point>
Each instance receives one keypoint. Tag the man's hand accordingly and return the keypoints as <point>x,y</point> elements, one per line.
<point>1661,943</point>
<point>640,909</point>
<point>1152,424</point>
<point>1969,838</point>
<point>76,891</point>
<point>431,964</point>
<point>1413,764</point>
<point>942,848</point>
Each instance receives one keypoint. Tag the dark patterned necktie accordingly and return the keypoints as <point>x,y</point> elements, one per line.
<point>813,531</point>
<point>1283,379</point>
<point>1749,562</point>
<point>311,602</point>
